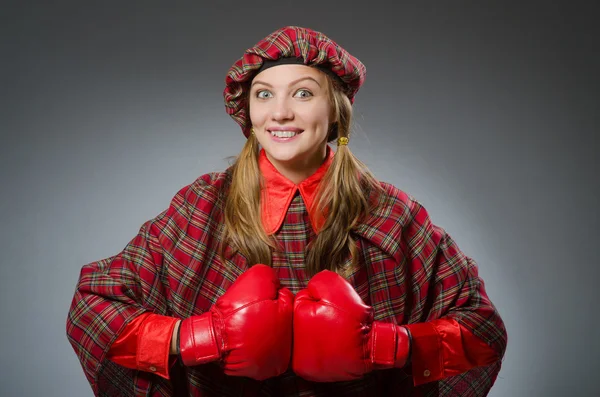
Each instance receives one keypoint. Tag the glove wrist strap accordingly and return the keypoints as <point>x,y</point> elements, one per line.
<point>198,342</point>
<point>390,345</point>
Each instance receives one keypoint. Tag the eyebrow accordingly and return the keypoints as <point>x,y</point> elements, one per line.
<point>292,83</point>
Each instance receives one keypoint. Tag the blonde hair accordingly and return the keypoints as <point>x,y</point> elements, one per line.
<point>343,195</point>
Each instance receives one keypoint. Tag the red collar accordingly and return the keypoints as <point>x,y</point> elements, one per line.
<point>279,191</point>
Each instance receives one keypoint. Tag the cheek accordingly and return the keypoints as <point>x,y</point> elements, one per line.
<point>256,114</point>
<point>321,115</point>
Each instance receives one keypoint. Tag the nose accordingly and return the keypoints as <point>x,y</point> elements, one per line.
<point>282,110</point>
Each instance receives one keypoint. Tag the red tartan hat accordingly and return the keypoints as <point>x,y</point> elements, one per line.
<point>308,47</point>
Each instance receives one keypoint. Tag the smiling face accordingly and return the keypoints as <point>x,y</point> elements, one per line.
<point>290,111</point>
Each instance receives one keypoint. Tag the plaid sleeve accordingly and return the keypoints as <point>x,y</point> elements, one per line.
<point>458,335</point>
<point>111,292</point>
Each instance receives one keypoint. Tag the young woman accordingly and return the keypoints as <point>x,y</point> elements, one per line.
<point>293,272</point>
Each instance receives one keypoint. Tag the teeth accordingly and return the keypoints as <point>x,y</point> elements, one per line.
<point>283,134</point>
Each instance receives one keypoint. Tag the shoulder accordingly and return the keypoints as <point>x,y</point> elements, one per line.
<point>397,219</point>
<point>209,186</point>
<point>412,220</point>
<point>397,204</point>
<point>204,193</point>
<point>392,211</point>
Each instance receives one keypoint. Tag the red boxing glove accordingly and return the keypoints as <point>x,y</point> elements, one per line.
<point>249,328</point>
<point>335,337</point>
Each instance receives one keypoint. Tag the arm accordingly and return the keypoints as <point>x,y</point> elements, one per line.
<point>451,327</point>
<point>147,343</point>
<point>231,332</point>
<point>455,327</point>
<point>113,292</point>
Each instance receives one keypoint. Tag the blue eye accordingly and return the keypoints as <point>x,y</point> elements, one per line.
<point>303,93</point>
<point>263,94</point>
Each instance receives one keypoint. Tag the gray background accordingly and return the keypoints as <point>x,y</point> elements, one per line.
<point>488,114</point>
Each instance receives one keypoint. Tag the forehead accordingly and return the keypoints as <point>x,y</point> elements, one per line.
<point>287,74</point>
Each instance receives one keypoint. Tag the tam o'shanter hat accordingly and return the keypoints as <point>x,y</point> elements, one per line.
<point>295,45</point>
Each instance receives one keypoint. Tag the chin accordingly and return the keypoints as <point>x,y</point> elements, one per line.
<point>284,156</point>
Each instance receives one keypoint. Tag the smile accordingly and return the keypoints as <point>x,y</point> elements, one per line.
<point>284,134</point>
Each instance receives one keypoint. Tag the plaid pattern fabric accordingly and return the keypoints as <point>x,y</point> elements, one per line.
<point>411,271</point>
<point>314,48</point>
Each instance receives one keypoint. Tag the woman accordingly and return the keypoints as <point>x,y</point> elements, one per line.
<point>294,272</point>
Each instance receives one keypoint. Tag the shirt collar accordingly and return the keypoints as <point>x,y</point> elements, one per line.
<point>278,192</point>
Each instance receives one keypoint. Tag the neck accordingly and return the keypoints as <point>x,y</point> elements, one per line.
<point>298,171</point>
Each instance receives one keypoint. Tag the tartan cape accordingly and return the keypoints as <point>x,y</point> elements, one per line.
<point>411,271</point>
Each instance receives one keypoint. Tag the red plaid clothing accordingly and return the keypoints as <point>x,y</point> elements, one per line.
<point>411,272</point>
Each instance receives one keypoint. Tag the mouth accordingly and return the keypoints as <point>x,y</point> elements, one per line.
<point>285,134</point>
